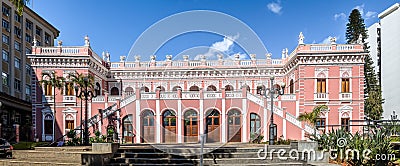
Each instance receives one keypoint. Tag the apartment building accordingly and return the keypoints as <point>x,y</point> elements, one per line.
<point>18,35</point>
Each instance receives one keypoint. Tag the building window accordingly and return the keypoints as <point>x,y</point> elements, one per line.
<point>6,25</point>
<point>5,56</point>
<point>17,46</point>
<point>17,17</point>
<point>69,122</point>
<point>28,69</point>
<point>17,63</point>
<point>346,124</point>
<point>47,89</point>
<point>69,89</point>
<point>38,31</point>
<point>17,85</point>
<point>47,38</point>
<point>28,51</point>
<point>28,38</point>
<point>27,89</point>
<point>291,86</point>
<point>6,10</point>
<point>320,123</point>
<point>29,24</point>
<point>345,85</point>
<point>6,39</point>
<point>5,79</point>
<point>321,85</point>
<point>17,31</point>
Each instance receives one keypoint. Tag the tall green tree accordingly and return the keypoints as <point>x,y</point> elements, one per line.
<point>19,4</point>
<point>56,82</point>
<point>373,93</point>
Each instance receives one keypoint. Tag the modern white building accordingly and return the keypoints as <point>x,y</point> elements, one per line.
<point>384,39</point>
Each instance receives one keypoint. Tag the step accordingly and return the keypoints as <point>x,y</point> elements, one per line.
<point>48,156</point>
<point>16,162</point>
<point>65,148</point>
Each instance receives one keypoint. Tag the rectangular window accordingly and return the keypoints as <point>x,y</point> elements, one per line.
<point>6,39</point>
<point>5,79</point>
<point>17,31</point>
<point>28,51</point>
<point>321,85</point>
<point>28,38</point>
<point>17,85</point>
<point>69,124</point>
<point>47,38</point>
<point>28,69</point>
<point>6,10</point>
<point>320,123</point>
<point>38,31</point>
<point>17,17</point>
<point>345,85</point>
<point>29,24</point>
<point>17,46</point>
<point>17,63</point>
<point>346,124</point>
<point>27,89</point>
<point>5,56</point>
<point>6,25</point>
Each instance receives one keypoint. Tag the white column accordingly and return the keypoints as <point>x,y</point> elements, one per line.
<point>265,124</point>
<point>223,123</point>
<point>179,120</point>
<point>244,126</point>
<point>138,119</point>
<point>158,123</point>
<point>201,112</point>
<point>118,124</point>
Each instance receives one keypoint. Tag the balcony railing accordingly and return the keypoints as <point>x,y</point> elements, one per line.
<point>345,96</point>
<point>321,96</point>
<point>212,95</point>
<point>190,95</point>
<point>237,94</point>
<point>48,99</point>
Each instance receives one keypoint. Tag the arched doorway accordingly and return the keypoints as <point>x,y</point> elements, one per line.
<point>191,129</point>
<point>48,127</point>
<point>147,126</point>
<point>175,88</point>
<point>229,88</point>
<point>169,126</point>
<point>255,126</point>
<point>212,125</point>
<point>211,88</point>
<point>234,126</point>
<point>144,89</point>
<point>162,89</point>
<point>127,129</point>
<point>114,91</point>
<point>194,88</point>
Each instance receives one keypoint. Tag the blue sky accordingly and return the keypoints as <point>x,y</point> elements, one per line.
<point>115,27</point>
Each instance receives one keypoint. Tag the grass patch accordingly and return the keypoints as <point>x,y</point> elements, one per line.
<point>28,145</point>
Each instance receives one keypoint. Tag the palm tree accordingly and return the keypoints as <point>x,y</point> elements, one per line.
<point>312,117</point>
<point>19,4</point>
<point>79,80</point>
<point>55,82</point>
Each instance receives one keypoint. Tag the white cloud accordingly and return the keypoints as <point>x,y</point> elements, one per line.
<point>221,47</point>
<point>339,16</point>
<point>370,14</point>
<point>275,7</point>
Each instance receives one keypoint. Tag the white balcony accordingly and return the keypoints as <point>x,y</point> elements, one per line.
<point>48,99</point>
<point>212,95</point>
<point>190,95</point>
<point>321,96</point>
<point>288,97</point>
<point>345,96</point>
<point>146,96</point>
<point>235,94</point>
<point>69,99</point>
<point>168,95</point>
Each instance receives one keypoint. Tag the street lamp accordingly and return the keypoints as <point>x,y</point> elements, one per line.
<point>86,92</point>
<point>273,92</point>
<point>394,116</point>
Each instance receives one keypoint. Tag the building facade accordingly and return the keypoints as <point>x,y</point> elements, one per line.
<point>18,33</point>
<point>384,39</point>
<point>177,101</point>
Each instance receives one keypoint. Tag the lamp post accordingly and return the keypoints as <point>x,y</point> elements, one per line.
<point>86,92</point>
<point>273,92</point>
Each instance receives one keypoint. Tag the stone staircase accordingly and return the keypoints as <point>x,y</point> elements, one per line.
<point>214,154</point>
<point>47,156</point>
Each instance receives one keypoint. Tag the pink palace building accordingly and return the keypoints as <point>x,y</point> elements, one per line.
<point>178,101</point>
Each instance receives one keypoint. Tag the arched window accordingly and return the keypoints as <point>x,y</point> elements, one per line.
<point>161,88</point>
<point>175,88</point>
<point>129,91</point>
<point>69,88</point>
<point>48,89</point>
<point>229,88</point>
<point>194,88</point>
<point>144,89</point>
<point>48,124</point>
<point>114,91</point>
<point>69,122</point>
<point>211,88</point>
<point>260,89</point>
<point>97,89</point>
<point>345,83</point>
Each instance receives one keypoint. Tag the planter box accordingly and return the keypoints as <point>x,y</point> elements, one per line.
<point>105,147</point>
